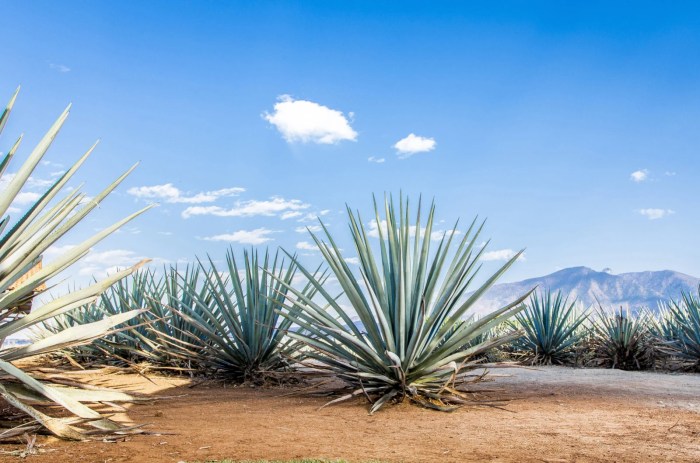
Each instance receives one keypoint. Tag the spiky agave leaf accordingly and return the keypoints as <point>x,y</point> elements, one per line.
<point>160,338</point>
<point>409,302</point>
<point>624,340</point>
<point>552,328</point>
<point>683,330</point>
<point>21,249</point>
<point>237,316</point>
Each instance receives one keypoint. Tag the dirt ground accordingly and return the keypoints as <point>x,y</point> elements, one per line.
<point>557,415</point>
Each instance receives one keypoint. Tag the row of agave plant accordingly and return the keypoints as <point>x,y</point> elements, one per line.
<point>249,322</point>
<point>399,332</point>
<point>557,331</point>
<point>231,324</point>
<point>399,326</point>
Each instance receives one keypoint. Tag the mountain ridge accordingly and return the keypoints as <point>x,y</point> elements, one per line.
<point>630,290</point>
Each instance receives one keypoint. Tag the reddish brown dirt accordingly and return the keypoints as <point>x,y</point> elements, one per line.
<point>560,415</point>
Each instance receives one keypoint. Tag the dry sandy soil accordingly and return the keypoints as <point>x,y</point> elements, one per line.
<point>558,415</point>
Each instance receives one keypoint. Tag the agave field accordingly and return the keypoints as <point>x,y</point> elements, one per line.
<point>399,329</point>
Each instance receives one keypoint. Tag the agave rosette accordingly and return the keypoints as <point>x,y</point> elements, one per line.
<point>21,248</point>
<point>410,302</point>
<point>552,329</point>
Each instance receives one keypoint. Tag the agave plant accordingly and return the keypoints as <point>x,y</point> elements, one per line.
<point>237,316</point>
<point>160,338</point>
<point>683,330</point>
<point>408,340</point>
<point>624,340</point>
<point>552,329</point>
<point>21,247</point>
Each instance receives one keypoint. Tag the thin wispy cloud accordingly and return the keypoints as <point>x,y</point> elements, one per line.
<point>254,237</point>
<point>306,246</point>
<point>435,235</point>
<point>26,197</point>
<point>99,264</point>
<point>639,175</point>
<point>310,228</point>
<point>376,160</point>
<point>308,122</point>
<point>170,194</point>
<point>413,144</point>
<point>500,255</point>
<point>313,216</point>
<point>656,214</point>
<point>62,68</point>
<point>352,260</point>
<point>34,182</point>
<point>274,206</point>
<point>290,215</point>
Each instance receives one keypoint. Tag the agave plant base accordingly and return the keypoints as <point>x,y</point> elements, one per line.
<point>445,396</point>
<point>18,419</point>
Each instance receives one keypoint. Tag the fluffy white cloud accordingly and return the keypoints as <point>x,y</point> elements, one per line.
<point>306,246</point>
<point>273,206</point>
<point>376,160</point>
<point>500,254</point>
<point>171,194</point>
<point>639,175</point>
<point>412,144</point>
<point>255,237</point>
<point>306,121</point>
<point>655,214</point>
<point>352,260</point>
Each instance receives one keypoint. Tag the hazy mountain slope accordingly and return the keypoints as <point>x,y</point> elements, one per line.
<point>625,289</point>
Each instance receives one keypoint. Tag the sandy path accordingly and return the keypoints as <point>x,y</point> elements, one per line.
<point>560,414</point>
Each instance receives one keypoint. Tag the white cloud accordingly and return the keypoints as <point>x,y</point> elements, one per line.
<point>56,250</point>
<point>62,68</point>
<point>376,160</point>
<point>257,236</point>
<point>639,175</point>
<point>352,260</point>
<point>669,173</point>
<point>413,144</point>
<point>313,216</point>
<point>311,228</point>
<point>434,236</point>
<point>306,121</point>
<point>33,182</point>
<point>290,215</point>
<point>655,214</point>
<point>99,264</point>
<point>273,206</point>
<point>26,197</point>
<point>500,254</point>
<point>306,246</point>
<point>165,233</point>
<point>171,194</point>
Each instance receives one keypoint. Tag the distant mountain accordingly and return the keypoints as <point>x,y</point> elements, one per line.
<point>629,290</point>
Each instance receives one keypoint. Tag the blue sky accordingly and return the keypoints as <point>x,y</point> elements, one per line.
<point>573,129</point>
